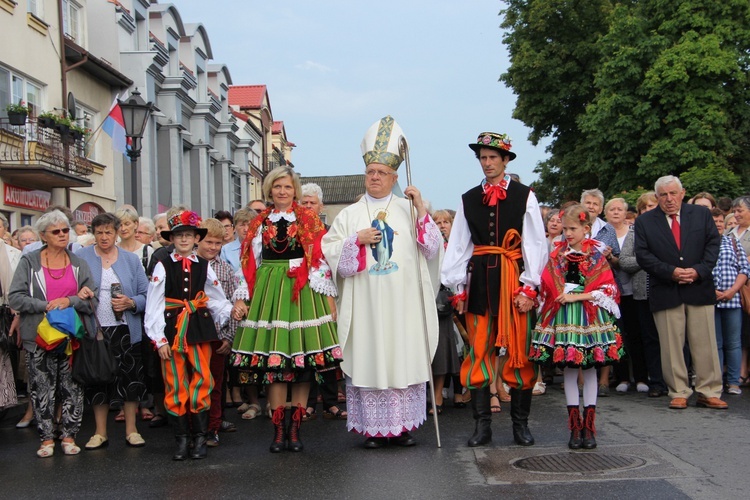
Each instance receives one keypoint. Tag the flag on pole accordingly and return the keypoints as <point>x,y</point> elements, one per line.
<point>114,126</point>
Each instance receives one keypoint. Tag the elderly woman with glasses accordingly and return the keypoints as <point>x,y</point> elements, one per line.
<point>50,278</point>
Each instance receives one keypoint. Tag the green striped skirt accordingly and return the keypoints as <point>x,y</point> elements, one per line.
<point>280,339</point>
<point>571,340</point>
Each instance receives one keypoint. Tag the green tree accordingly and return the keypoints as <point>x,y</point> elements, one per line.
<point>632,90</point>
<point>554,57</point>
<point>718,181</point>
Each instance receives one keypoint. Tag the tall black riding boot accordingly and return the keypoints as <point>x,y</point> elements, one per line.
<point>480,404</point>
<point>279,432</point>
<point>575,424</point>
<point>180,426</point>
<point>520,407</point>
<point>200,431</point>
<point>589,429</point>
<point>295,422</point>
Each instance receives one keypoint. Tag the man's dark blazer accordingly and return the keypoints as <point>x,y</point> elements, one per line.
<point>657,254</point>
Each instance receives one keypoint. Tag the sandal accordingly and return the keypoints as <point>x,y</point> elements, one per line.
<point>495,408</point>
<point>146,415</point>
<point>341,397</point>
<point>459,404</point>
<point>159,420</point>
<point>70,448</point>
<point>438,407</point>
<point>744,381</point>
<point>96,442</point>
<point>120,416</point>
<point>135,440</point>
<point>504,396</point>
<point>310,414</point>
<point>243,407</point>
<point>335,413</point>
<point>251,412</point>
<point>539,389</point>
<point>46,450</point>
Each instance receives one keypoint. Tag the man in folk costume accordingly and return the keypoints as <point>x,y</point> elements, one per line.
<point>184,301</point>
<point>382,308</point>
<point>494,261</point>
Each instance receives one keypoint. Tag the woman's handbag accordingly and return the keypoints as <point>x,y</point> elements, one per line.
<point>745,289</point>
<point>93,363</point>
<point>6,318</point>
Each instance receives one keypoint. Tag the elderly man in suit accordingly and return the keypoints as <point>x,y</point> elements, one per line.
<point>677,245</point>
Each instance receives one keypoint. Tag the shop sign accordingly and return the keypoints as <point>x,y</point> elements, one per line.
<point>33,199</point>
<point>86,212</point>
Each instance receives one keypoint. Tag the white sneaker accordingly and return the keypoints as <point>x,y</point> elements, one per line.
<point>641,387</point>
<point>734,390</point>
<point>622,387</point>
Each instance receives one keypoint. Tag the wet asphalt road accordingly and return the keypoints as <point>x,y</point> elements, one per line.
<point>693,453</point>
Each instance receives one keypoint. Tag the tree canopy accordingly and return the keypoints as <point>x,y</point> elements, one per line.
<point>629,91</point>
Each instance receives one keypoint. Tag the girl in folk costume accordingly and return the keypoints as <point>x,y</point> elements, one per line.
<point>289,330</point>
<point>576,327</point>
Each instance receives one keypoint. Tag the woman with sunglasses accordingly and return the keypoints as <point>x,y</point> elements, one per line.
<point>52,277</point>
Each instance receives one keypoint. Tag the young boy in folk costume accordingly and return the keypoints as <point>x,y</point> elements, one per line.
<point>576,327</point>
<point>185,299</point>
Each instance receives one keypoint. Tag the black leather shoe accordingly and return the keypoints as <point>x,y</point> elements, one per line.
<point>655,392</point>
<point>373,443</point>
<point>405,439</point>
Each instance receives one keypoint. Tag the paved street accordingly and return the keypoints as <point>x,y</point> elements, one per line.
<point>653,452</point>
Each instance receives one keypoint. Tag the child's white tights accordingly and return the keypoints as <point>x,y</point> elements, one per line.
<point>590,386</point>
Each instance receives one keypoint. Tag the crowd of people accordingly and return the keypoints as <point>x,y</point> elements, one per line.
<point>490,302</point>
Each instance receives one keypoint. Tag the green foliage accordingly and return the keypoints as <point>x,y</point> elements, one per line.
<point>719,181</point>
<point>629,91</point>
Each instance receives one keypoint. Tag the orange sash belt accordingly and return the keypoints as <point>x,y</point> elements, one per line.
<point>511,323</point>
<point>188,307</point>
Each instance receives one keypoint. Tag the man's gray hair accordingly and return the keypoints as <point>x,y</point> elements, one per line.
<point>312,189</point>
<point>665,180</point>
<point>597,193</point>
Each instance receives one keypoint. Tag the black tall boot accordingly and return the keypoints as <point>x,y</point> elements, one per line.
<point>200,430</point>
<point>295,422</point>
<point>589,430</point>
<point>279,433</point>
<point>575,424</point>
<point>520,407</point>
<point>480,404</point>
<point>180,426</point>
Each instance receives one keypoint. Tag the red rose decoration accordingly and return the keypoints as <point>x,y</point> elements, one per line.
<point>558,355</point>
<point>292,230</point>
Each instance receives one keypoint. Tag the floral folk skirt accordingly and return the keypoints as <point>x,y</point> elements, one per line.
<point>570,340</point>
<point>283,340</point>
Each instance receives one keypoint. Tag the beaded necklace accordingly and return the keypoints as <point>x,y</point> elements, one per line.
<point>49,269</point>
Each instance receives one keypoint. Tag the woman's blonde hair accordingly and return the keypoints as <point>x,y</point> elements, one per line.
<point>278,173</point>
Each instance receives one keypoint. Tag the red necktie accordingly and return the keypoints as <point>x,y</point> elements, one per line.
<point>676,230</point>
<point>492,194</point>
<point>186,263</point>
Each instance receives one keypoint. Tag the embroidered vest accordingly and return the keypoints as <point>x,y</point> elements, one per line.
<point>488,225</point>
<point>185,286</point>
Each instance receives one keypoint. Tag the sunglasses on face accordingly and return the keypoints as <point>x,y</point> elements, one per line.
<point>55,232</point>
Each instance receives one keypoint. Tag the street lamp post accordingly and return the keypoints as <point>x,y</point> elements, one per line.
<point>135,113</point>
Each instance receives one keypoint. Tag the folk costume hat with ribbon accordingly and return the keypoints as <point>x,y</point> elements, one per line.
<point>183,221</point>
<point>500,142</point>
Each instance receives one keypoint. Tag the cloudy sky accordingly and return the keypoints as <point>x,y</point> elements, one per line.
<point>334,67</point>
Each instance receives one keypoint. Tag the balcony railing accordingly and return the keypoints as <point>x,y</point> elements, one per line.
<point>36,155</point>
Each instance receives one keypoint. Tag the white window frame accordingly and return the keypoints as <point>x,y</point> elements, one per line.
<point>16,93</point>
<point>35,7</point>
<point>73,11</point>
<point>88,119</point>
